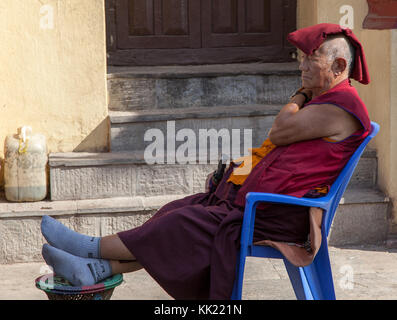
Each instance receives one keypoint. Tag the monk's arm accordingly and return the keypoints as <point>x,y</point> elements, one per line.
<point>314,121</point>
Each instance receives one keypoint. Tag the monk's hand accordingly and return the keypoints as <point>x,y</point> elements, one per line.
<point>208,182</point>
<point>308,92</point>
<point>301,97</point>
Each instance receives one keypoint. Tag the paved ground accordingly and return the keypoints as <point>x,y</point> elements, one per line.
<point>359,273</point>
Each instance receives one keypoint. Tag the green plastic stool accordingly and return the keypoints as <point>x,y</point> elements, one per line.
<point>58,288</point>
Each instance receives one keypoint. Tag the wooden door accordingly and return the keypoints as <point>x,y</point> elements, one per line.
<point>167,32</point>
<point>158,24</point>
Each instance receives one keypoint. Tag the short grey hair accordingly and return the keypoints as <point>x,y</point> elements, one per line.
<point>338,46</point>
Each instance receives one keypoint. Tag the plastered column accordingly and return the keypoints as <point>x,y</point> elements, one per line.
<point>53,72</point>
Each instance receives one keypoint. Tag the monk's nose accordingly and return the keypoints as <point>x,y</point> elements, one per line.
<point>303,65</point>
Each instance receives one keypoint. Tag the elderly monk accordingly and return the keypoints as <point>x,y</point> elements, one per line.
<point>190,245</point>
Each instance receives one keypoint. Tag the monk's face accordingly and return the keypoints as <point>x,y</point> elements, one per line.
<point>317,72</point>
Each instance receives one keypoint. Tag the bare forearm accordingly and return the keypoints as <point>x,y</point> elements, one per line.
<point>277,132</point>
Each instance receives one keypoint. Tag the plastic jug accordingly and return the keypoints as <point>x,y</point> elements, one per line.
<point>25,162</point>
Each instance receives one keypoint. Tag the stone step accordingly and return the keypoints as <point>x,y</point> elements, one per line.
<point>235,123</point>
<point>361,219</point>
<point>137,88</point>
<point>77,176</point>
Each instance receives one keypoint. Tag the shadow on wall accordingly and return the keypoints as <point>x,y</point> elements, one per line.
<point>2,174</point>
<point>97,140</point>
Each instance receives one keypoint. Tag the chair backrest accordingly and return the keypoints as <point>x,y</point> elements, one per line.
<point>339,186</point>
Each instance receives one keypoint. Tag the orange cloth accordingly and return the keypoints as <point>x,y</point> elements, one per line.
<point>240,174</point>
<point>249,162</point>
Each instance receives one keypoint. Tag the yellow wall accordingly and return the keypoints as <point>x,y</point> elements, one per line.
<point>378,95</point>
<point>306,13</point>
<point>53,72</point>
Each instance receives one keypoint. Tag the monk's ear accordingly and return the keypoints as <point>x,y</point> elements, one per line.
<point>339,66</point>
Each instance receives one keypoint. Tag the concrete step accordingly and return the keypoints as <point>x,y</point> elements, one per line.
<point>78,176</point>
<point>129,130</point>
<point>137,88</point>
<point>21,238</point>
<point>361,219</point>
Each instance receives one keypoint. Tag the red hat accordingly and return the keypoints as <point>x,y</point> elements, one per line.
<point>311,38</point>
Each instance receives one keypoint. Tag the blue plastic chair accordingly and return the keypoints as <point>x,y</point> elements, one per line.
<point>313,282</point>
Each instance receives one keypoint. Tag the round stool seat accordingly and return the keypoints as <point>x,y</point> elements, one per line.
<point>58,288</point>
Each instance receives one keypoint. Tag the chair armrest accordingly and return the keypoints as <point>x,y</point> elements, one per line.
<point>253,198</point>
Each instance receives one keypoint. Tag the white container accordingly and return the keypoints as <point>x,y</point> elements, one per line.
<point>25,163</point>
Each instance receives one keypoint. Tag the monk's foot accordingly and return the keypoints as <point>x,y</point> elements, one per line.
<point>61,237</point>
<point>77,270</point>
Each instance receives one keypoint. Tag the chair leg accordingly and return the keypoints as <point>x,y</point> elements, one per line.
<point>319,276</point>
<point>313,282</point>
<point>298,281</point>
<point>238,282</point>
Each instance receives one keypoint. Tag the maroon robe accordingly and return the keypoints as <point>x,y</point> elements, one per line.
<point>190,245</point>
<point>302,166</point>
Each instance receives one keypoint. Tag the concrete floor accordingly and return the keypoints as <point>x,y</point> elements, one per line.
<point>360,273</point>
